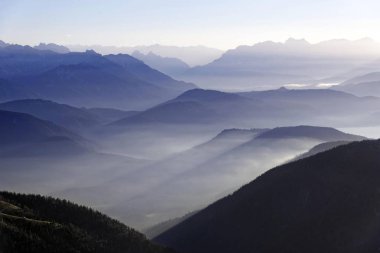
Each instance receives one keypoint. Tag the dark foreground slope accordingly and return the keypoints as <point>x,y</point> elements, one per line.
<point>329,202</point>
<point>31,223</point>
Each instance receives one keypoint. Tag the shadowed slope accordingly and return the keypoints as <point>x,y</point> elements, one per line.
<point>325,203</point>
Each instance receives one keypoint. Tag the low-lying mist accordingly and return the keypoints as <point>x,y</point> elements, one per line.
<point>170,174</point>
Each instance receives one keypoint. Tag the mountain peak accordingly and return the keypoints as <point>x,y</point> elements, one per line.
<point>137,54</point>
<point>297,42</point>
<point>205,95</point>
<point>3,44</point>
<point>52,47</point>
<point>90,51</point>
<point>283,88</point>
<point>314,132</point>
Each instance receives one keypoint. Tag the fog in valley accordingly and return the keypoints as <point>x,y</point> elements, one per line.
<point>189,126</point>
<point>113,133</point>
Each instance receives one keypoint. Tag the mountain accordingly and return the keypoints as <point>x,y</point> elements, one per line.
<point>324,203</point>
<point>194,106</point>
<point>3,44</point>
<point>23,128</point>
<point>373,66</point>
<point>70,117</point>
<point>370,77</point>
<point>259,108</point>
<point>191,179</point>
<point>312,101</point>
<point>270,64</point>
<point>196,115</point>
<point>33,223</point>
<point>24,135</point>
<point>86,85</point>
<point>365,85</point>
<point>205,179</point>
<point>16,61</point>
<point>192,55</point>
<point>317,104</point>
<point>109,115</point>
<point>175,113</point>
<point>144,72</point>
<point>199,106</point>
<point>137,186</point>
<point>158,229</point>
<point>41,157</point>
<point>319,133</point>
<point>167,65</point>
<point>321,148</point>
<point>10,91</point>
<point>64,115</point>
<point>53,47</point>
<point>301,95</point>
<point>84,79</point>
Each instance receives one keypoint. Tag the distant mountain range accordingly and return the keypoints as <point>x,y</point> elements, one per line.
<point>52,47</point>
<point>364,85</point>
<point>262,66</point>
<point>191,55</point>
<point>83,79</point>
<point>44,47</point>
<point>168,65</point>
<point>323,203</point>
<point>259,108</point>
<point>268,64</point>
<point>33,223</point>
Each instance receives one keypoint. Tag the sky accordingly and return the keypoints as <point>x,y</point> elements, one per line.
<point>215,23</point>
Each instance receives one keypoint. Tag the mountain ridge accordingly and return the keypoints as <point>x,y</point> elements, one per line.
<point>323,203</point>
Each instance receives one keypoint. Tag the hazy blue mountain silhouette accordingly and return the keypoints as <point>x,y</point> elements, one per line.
<point>108,115</point>
<point>191,55</point>
<point>299,95</point>
<point>364,85</point>
<point>11,91</point>
<point>64,115</point>
<point>199,106</point>
<point>320,133</point>
<point>3,44</point>
<point>167,65</point>
<point>270,64</point>
<point>370,77</point>
<point>87,85</point>
<point>52,47</point>
<point>84,79</point>
<point>259,108</point>
<point>146,73</point>
<point>22,134</point>
<point>172,113</point>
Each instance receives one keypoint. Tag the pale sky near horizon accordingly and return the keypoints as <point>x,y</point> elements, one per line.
<point>216,23</point>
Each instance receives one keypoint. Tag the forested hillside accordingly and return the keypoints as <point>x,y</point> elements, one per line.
<point>33,223</point>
